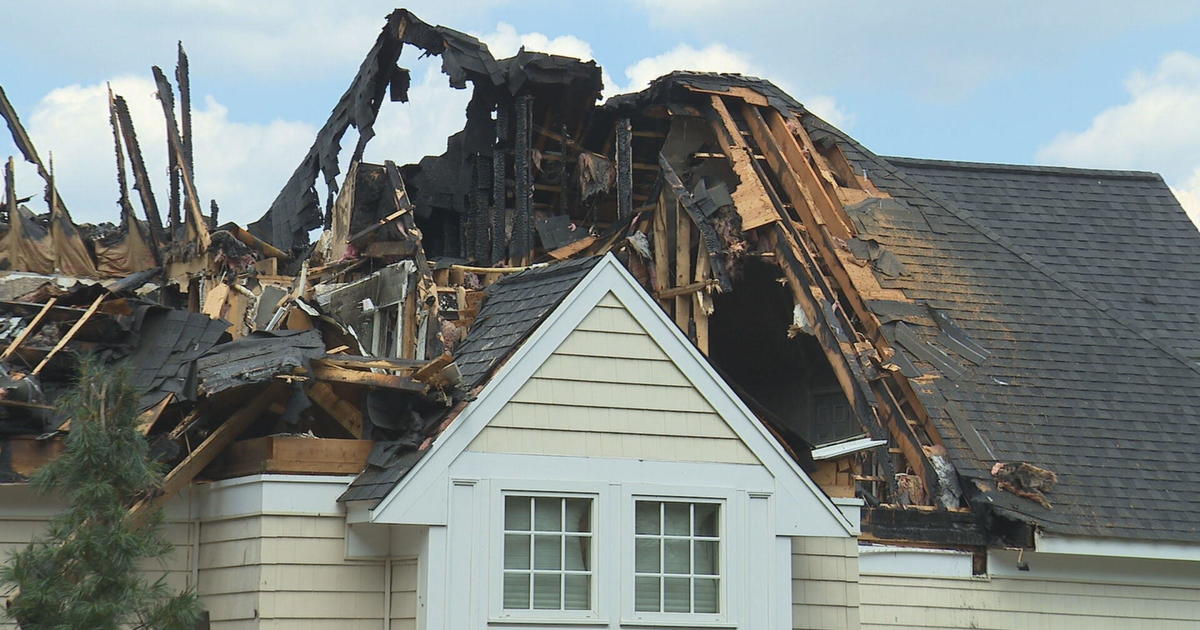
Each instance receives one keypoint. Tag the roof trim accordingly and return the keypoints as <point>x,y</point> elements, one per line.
<point>607,276</point>
<point>1034,169</point>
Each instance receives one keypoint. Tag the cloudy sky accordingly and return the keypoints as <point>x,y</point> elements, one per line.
<point>1080,83</point>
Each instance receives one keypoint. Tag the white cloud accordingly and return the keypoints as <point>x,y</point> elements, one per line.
<point>406,132</point>
<point>721,58</point>
<point>239,164</point>
<point>505,41</point>
<point>1157,129</point>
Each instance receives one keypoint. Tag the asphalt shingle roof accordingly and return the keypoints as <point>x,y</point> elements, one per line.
<point>1082,284</point>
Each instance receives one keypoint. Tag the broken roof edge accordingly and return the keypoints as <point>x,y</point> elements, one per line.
<point>917,162</point>
<point>546,337</point>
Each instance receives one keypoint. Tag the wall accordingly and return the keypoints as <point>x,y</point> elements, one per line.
<point>825,590</point>
<point>610,391</point>
<point>1057,592</point>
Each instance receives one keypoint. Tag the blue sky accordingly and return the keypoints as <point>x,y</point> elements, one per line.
<point>1104,84</point>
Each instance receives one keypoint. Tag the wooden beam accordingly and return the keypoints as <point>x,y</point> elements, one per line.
<point>147,418</point>
<point>208,450</point>
<point>702,300</point>
<point>686,289</point>
<point>141,178</point>
<point>365,363</point>
<point>370,379</point>
<point>662,264</point>
<point>344,412</point>
<point>292,455</point>
<point>195,216</point>
<point>29,330</point>
<point>91,310</point>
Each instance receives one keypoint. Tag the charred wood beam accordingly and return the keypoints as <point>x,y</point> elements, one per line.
<point>624,132</point>
<point>522,237</point>
<point>122,178</point>
<point>939,527</point>
<point>195,219</point>
<point>141,179</point>
<point>708,234</point>
<point>479,212</point>
<point>185,109</point>
<point>10,191</point>
<point>25,146</point>
<point>167,98</point>
<point>499,185</point>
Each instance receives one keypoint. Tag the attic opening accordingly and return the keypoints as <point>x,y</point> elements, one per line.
<point>787,378</point>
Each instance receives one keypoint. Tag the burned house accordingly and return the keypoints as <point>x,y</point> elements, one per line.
<point>690,356</point>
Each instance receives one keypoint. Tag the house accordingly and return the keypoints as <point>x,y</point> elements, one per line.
<point>689,358</point>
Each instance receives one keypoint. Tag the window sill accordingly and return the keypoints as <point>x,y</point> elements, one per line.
<point>546,621</point>
<point>676,623</point>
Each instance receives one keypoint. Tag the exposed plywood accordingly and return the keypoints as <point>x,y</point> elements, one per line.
<point>292,455</point>
<point>610,391</point>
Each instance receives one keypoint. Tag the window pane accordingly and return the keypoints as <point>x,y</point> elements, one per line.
<point>645,594</point>
<point>516,590</point>
<point>706,519</point>
<point>645,555</point>
<point>707,598</point>
<point>647,517</point>
<point>578,556</point>
<point>677,595</point>
<point>706,557</point>
<point>677,556</point>
<point>547,514</point>
<point>578,592</point>
<point>516,513</point>
<point>547,591</point>
<point>516,551</point>
<point>579,515</point>
<point>677,519</point>
<point>547,552</point>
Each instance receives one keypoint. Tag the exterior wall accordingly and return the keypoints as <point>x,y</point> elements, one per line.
<point>287,571</point>
<point>1057,592</point>
<point>18,531</point>
<point>825,584</point>
<point>404,594</point>
<point>610,391</point>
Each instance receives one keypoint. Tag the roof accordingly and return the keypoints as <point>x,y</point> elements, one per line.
<point>511,310</point>
<point>1081,285</point>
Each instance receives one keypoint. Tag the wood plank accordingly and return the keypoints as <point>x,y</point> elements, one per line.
<point>29,330</point>
<point>91,310</point>
<point>365,363</point>
<point>343,411</point>
<point>683,270</point>
<point>292,455</point>
<point>690,288</point>
<point>149,417</point>
<point>662,268</point>
<point>702,300</point>
<point>208,450</point>
<point>371,379</point>
<point>750,199</point>
<point>800,160</point>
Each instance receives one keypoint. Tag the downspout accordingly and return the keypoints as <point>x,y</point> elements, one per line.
<point>387,593</point>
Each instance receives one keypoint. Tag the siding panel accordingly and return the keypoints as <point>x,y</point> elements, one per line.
<point>610,391</point>
<point>825,584</point>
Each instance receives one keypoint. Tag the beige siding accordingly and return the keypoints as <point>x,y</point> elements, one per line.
<point>269,571</point>
<point>825,584</point>
<point>1024,604</point>
<point>16,533</point>
<point>610,391</point>
<point>404,594</point>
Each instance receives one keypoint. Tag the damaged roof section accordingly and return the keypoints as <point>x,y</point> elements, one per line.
<point>975,350</point>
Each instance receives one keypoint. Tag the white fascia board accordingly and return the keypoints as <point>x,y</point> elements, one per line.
<point>833,451</point>
<point>271,494</point>
<point>818,513</point>
<point>914,561</point>
<point>1116,547</point>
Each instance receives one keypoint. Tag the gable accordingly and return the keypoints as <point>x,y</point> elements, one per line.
<point>607,318</point>
<point>609,390</point>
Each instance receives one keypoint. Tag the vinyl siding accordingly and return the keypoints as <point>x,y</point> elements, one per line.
<point>404,594</point>
<point>610,391</point>
<point>895,602</point>
<point>825,589</point>
<point>272,571</point>
<point>16,533</point>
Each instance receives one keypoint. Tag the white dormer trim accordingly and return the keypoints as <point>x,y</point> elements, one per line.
<point>420,498</point>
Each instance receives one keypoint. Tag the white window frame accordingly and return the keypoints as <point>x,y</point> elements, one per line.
<point>599,566</point>
<point>730,531</point>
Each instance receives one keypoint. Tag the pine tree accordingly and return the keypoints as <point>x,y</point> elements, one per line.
<point>84,572</point>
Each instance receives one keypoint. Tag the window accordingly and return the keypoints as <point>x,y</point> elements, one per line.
<point>677,557</point>
<point>547,553</point>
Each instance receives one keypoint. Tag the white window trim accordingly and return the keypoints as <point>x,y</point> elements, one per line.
<point>731,572</point>
<point>601,567</point>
